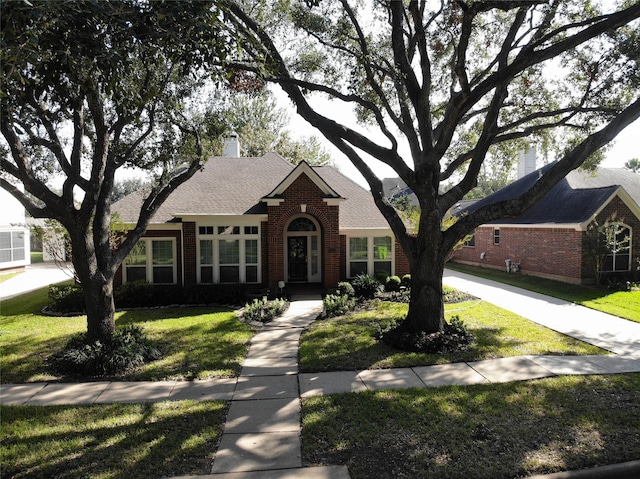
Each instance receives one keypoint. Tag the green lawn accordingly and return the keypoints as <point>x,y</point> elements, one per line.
<point>36,257</point>
<point>625,304</point>
<point>496,431</point>
<point>348,343</point>
<point>115,441</point>
<point>196,342</point>
<point>6,276</point>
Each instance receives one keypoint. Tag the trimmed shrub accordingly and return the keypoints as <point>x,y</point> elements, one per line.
<point>365,286</point>
<point>454,337</point>
<point>66,298</point>
<point>264,310</point>
<point>337,305</point>
<point>345,288</point>
<point>392,284</point>
<point>406,281</point>
<point>129,350</point>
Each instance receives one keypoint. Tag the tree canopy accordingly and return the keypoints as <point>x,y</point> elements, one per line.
<point>89,88</point>
<point>263,126</point>
<point>442,84</point>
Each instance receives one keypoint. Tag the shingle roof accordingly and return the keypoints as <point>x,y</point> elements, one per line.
<point>235,186</point>
<point>573,200</point>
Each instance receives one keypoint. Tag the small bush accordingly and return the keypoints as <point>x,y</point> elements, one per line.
<point>66,298</point>
<point>365,286</point>
<point>129,349</point>
<point>406,281</point>
<point>392,284</point>
<point>345,288</point>
<point>337,305</point>
<point>454,337</point>
<point>263,310</point>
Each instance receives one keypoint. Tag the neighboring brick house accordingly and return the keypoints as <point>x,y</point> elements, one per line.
<point>261,221</point>
<point>547,240</point>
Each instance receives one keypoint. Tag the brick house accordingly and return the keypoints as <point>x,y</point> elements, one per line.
<point>547,240</point>
<point>260,221</point>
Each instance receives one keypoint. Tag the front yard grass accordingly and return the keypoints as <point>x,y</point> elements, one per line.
<point>495,431</point>
<point>625,304</point>
<point>197,343</point>
<point>114,441</point>
<point>348,343</point>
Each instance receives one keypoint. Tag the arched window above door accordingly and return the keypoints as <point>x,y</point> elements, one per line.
<point>301,224</point>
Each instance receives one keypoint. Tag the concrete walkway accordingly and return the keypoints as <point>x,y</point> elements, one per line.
<point>261,438</point>
<point>34,276</point>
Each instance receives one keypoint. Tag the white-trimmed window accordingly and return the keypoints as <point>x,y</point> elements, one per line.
<point>228,254</point>
<point>619,247</point>
<point>496,236</point>
<point>12,246</point>
<point>152,260</point>
<point>370,255</point>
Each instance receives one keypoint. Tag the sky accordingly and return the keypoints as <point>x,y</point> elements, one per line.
<point>625,146</point>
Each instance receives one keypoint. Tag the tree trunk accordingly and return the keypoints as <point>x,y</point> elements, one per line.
<point>97,286</point>
<point>98,294</point>
<point>426,306</point>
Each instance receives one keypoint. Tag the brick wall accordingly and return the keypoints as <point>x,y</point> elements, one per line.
<point>402,263</point>
<point>303,191</point>
<point>548,252</point>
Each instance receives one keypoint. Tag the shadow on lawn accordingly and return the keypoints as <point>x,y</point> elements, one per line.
<point>484,431</point>
<point>118,441</point>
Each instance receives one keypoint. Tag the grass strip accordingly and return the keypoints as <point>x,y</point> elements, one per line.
<point>491,431</point>
<point>348,342</point>
<point>114,441</point>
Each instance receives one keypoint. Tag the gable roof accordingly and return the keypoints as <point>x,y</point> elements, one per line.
<point>236,186</point>
<point>303,168</point>
<point>574,200</point>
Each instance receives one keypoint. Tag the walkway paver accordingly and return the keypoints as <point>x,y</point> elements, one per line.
<point>263,427</point>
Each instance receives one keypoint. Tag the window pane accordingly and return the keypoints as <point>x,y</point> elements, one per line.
<point>18,254</point>
<point>228,230</point>
<point>314,255</point>
<point>382,267</point>
<point>163,274</point>
<point>302,224</point>
<point>358,268</point>
<point>18,239</point>
<point>252,274</point>
<point>5,240</point>
<point>206,274</point>
<point>162,252</point>
<point>229,274</point>
<point>229,251</point>
<point>138,255</point>
<point>136,273</point>
<point>496,236</point>
<point>358,249</point>
<point>382,247</point>
<point>621,262</point>
<point>206,252</point>
<point>251,251</point>
<point>251,230</point>
<point>5,255</point>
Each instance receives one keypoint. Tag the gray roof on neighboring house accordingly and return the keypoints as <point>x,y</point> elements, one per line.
<point>574,199</point>
<point>235,186</point>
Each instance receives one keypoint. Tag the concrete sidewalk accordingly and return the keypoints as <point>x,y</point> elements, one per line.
<point>34,276</point>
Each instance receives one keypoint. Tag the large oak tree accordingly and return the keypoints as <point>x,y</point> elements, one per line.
<point>441,83</point>
<point>89,88</point>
